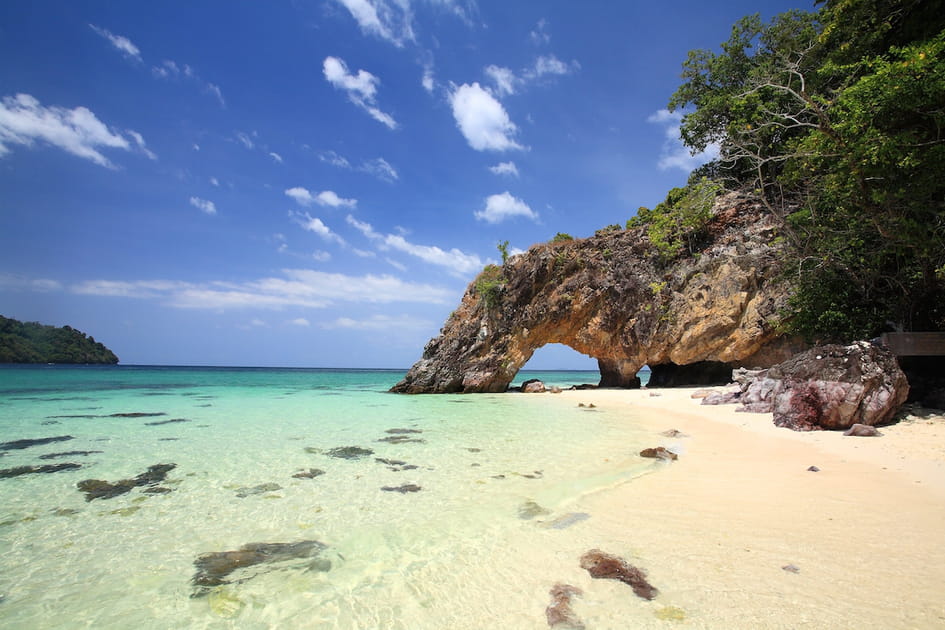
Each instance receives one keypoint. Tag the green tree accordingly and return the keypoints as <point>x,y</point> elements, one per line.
<point>836,118</point>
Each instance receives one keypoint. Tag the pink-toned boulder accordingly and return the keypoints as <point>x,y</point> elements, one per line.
<point>533,386</point>
<point>831,387</point>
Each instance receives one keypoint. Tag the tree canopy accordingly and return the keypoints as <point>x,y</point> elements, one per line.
<point>837,119</point>
<point>31,342</point>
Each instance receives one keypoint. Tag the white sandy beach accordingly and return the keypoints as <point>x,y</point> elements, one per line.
<point>863,539</point>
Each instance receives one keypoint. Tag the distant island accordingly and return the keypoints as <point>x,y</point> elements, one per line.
<point>31,342</point>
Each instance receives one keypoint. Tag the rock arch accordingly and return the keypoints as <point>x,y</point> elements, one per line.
<point>611,298</point>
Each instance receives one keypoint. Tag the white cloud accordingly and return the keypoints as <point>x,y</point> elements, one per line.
<point>140,143</point>
<point>482,119</point>
<point>170,70</point>
<point>215,181</point>
<point>540,35</point>
<point>16,282</point>
<point>455,260</point>
<point>361,88</point>
<point>300,321</point>
<point>379,322</point>
<point>381,169</point>
<point>427,80</point>
<point>121,43</point>
<point>245,140</point>
<point>504,206</point>
<point>202,204</point>
<point>275,156</point>
<point>321,256</point>
<point>316,226</point>
<point>549,64</point>
<point>504,79</point>
<point>674,154</point>
<point>295,288</point>
<point>389,20</point>
<point>334,159</point>
<point>328,198</point>
<point>23,120</point>
<point>505,168</point>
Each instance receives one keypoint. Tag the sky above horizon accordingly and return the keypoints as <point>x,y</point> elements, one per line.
<point>314,184</point>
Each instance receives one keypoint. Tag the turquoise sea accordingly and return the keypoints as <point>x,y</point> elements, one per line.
<point>229,498</point>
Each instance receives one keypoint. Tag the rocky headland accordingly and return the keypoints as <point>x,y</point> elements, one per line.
<point>613,296</point>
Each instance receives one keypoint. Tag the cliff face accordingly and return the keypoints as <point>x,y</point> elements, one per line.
<point>610,297</point>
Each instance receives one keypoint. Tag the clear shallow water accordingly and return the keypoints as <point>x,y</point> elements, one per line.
<point>495,473</point>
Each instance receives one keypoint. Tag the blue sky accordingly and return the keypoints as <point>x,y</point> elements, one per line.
<point>315,183</point>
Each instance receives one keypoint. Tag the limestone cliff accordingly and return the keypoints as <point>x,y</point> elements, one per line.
<point>611,297</point>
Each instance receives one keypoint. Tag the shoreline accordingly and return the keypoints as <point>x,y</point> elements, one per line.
<point>738,533</point>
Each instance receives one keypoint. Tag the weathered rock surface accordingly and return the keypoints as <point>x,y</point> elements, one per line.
<point>829,387</point>
<point>611,297</point>
<point>659,452</point>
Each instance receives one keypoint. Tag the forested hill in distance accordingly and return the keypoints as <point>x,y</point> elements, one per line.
<point>32,342</point>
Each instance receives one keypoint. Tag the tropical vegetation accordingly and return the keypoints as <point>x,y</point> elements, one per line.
<point>31,342</point>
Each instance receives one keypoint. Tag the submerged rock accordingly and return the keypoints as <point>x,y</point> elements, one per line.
<point>559,613</point>
<point>21,444</point>
<point>160,422</point>
<point>659,453</point>
<point>214,568</point>
<point>137,414</point>
<point>28,470</point>
<point>68,454</point>
<point>349,452</point>
<point>260,489</point>
<point>673,433</point>
<point>402,431</point>
<point>99,489</point>
<point>567,520</point>
<point>311,473</point>
<point>529,510</point>
<point>404,489</point>
<point>401,439</point>
<point>602,565</point>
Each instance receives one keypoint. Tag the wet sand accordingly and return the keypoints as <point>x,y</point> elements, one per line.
<point>738,533</point>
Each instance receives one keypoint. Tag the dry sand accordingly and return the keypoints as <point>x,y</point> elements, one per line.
<point>862,540</point>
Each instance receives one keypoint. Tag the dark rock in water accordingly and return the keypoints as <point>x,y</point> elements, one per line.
<point>99,489</point>
<point>790,568</point>
<point>402,439</point>
<point>529,510</point>
<point>160,422</point>
<point>311,473</point>
<point>313,450</point>
<point>658,453</point>
<point>829,387</point>
<point>395,465</point>
<point>603,565</point>
<point>559,613</point>
<point>214,568</point>
<point>157,490</point>
<point>862,430</point>
<point>349,452</point>
<point>28,470</point>
<point>136,414</point>
<point>674,433</point>
<point>402,431</point>
<point>404,489</point>
<point>532,475</point>
<point>813,469</point>
<point>68,454</point>
<point>260,489</point>
<point>474,450</point>
<point>21,444</point>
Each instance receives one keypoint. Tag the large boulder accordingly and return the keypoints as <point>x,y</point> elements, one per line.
<point>828,387</point>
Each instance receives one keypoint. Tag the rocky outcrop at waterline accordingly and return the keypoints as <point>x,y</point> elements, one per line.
<point>614,297</point>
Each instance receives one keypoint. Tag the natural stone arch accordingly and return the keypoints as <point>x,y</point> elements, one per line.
<point>609,297</point>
